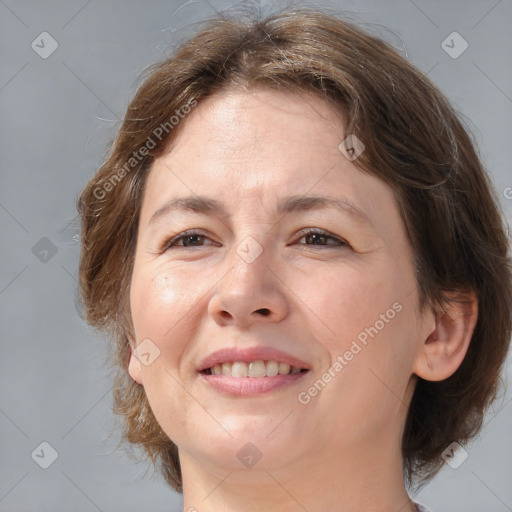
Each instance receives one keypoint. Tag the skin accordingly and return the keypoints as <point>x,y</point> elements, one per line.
<point>340,451</point>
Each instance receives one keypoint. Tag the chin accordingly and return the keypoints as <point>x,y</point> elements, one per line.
<point>261,443</point>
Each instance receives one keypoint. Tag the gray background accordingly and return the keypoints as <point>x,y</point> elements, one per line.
<point>58,114</point>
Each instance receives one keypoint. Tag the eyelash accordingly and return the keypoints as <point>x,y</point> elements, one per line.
<point>169,244</point>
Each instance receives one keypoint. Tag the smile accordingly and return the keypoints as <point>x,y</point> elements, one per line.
<point>254,369</point>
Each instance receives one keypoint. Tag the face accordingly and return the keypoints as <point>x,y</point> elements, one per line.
<point>331,285</point>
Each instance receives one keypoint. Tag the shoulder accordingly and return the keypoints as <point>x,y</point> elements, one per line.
<point>421,508</point>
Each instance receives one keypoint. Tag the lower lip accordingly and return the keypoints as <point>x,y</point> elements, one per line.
<point>246,386</point>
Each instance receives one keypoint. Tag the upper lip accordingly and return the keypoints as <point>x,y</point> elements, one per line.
<point>249,354</point>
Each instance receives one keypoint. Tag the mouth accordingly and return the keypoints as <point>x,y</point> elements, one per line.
<point>255,369</point>
<point>249,371</point>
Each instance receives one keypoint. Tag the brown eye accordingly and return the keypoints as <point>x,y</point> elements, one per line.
<point>320,237</point>
<point>189,239</point>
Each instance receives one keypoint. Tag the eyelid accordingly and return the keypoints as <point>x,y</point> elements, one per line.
<point>189,232</point>
<point>322,232</point>
<point>168,243</point>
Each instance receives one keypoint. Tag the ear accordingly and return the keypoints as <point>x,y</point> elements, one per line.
<point>444,348</point>
<point>134,366</point>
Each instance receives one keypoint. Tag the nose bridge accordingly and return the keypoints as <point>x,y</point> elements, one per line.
<point>250,263</point>
<point>252,249</point>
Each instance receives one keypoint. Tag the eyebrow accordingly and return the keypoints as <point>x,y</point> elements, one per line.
<point>208,206</point>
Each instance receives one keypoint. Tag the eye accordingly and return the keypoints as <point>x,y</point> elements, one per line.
<point>190,238</point>
<point>319,235</point>
<point>193,238</point>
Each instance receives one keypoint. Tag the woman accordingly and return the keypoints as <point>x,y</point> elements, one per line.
<point>302,264</point>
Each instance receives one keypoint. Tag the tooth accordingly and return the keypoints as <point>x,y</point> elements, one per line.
<point>284,369</point>
<point>272,368</point>
<point>239,369</point>
<point>257,369</point>
<point>226,368</point>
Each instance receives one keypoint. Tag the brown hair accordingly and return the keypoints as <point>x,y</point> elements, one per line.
<point>413,140</point>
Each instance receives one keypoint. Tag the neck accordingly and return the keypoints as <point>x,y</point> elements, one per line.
<point>365,478</point>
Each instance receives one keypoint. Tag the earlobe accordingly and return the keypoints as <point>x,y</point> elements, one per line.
<point>444,348</point>
<point>134,366</point>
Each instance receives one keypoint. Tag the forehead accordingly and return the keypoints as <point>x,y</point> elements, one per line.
<point>251,147</point>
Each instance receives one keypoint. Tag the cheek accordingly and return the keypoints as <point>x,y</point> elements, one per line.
<point>161,302</point>
<point>369,318</point>
<point>158,299</point>
<point>345,301</point>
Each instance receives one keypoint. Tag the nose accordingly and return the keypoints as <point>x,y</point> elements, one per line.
<point>251,291</point>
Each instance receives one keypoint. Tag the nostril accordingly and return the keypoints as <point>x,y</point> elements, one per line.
<point>264,311</point>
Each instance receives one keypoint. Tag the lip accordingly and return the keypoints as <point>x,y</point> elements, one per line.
<point>248,355</point>
<point>246,386</point>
